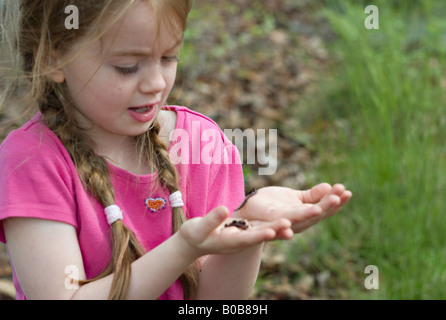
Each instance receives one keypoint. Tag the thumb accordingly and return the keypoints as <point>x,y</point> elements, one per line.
<point>204,226</point>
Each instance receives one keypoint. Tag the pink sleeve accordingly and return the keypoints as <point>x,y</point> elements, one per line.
<point>35,180</point>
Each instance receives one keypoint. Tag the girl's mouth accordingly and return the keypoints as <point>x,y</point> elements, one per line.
<point>144,113</point>
<point>141,110</point>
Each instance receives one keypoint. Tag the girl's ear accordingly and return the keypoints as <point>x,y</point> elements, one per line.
<point>55,72</point>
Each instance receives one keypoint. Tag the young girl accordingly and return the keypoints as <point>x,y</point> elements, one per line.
<point>91,204</point>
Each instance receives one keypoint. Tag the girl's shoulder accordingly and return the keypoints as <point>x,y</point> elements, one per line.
<point>32,139</point>
<point>193,122</point>
<point>186,116</point>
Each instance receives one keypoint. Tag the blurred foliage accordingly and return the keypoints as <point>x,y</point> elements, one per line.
<point>385,143</point>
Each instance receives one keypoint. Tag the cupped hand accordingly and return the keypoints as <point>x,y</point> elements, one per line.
<point>208,235</point>
<point>302,208</point>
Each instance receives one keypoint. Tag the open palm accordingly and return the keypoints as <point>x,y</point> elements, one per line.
<point>302,208</point>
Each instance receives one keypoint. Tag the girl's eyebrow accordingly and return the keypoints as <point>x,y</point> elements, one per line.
<point>131,52</point>
<point>140,52</point>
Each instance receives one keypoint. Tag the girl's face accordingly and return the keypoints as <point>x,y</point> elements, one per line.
<point>119,84</point>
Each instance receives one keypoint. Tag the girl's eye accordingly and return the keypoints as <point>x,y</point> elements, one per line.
<point>125,71</point>
<point>169,59</point>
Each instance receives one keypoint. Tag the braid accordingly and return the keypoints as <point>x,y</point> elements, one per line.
<point>156,150</point>
<point>94,173</point>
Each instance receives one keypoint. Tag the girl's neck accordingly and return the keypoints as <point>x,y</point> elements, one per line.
<point>124,154</point>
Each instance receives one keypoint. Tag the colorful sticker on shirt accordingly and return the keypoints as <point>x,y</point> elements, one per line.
<point>155,204</point>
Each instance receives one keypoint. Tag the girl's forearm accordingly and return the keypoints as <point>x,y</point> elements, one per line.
<point>230,276</point>
<point>151,276</point>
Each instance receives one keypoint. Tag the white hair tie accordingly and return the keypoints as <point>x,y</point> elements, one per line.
<point>176,200</point>
<point>113,213</point>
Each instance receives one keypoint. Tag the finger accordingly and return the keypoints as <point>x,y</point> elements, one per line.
<point>332,199</point>
<point>246,238</point>
<point>331,203</point>
<point>299,213</point>
<point>321,191</point>
<point>345,197</point>
<point>338,189</point>
<point>316,193</point>
<point>343,194</point>
<point>272,228</point>
<point>232,238</point>
<point>285,234</point>
<point>204,226</point>
<point>280,228</point>
<point>298,228</point>
<point>301,218</point>
<point>304,216</point>
<point>275,224</point>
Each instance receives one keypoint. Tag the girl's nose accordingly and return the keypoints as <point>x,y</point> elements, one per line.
<point>153,80</point>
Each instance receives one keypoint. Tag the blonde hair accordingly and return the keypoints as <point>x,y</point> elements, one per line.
<point>42,31</point>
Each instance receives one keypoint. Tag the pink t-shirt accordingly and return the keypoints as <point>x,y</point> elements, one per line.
<point>38,180</point>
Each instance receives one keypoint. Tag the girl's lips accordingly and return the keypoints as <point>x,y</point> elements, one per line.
<point>144,113</point>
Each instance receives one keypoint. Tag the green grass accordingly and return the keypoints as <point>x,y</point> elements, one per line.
<point>384,107</point>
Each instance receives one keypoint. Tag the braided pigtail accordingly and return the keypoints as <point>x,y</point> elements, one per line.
<point>155,149</point>
<point>94,173</point>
